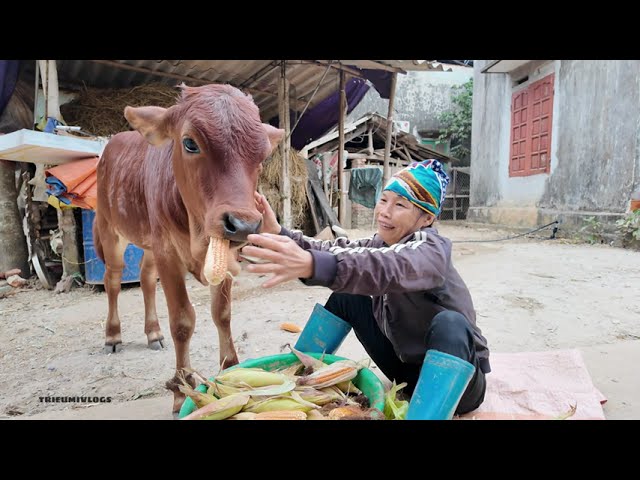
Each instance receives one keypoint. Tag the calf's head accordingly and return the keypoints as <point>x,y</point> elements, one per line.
<point>218,146</point>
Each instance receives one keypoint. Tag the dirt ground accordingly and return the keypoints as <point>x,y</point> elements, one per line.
<point>530,293</point>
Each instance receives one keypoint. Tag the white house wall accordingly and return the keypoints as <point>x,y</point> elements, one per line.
<point>598,152</point>
<point>595,149</point>
<point>420,97</point>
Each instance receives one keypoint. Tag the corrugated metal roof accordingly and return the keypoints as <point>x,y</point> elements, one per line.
<point>258,77</point>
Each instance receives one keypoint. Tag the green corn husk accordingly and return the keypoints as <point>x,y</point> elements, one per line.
<point>395,409</point>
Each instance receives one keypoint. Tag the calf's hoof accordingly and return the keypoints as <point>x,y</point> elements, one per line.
<point>112,348</point>
<point>157,344</point>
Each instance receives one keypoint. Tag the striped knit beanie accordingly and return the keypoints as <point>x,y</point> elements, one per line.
<point>422,183</point>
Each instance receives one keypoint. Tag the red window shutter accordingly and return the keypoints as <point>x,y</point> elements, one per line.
<point>541,116</point>
<point>531,120</point>
<point>519,133</point>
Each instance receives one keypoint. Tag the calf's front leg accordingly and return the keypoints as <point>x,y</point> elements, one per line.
<point>182,321</point>
<point>148,283</point>
<point>221,314</point>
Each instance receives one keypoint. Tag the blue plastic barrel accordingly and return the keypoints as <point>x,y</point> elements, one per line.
<point>94,267</point>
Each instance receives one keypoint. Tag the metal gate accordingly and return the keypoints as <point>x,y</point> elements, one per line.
<point>456,202</point>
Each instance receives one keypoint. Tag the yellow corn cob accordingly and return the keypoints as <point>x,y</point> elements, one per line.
<point>346,411</point>
<point>314,395</point>
<point>199,398</point>
<point>334,393</point>
<point>290,327</point>
<point>348,387</point>
<point>221,390</point>
<point>282,415</point>
<point>243,416</point>
<point>215,263</point>
<point>253,377</point>
<point>340,371</point>
<point>219,409</point>
<point>275,403</point>
<point>315,415</point>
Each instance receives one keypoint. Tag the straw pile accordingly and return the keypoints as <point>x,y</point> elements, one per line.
<point>100,111</point>
<point>269,185</point>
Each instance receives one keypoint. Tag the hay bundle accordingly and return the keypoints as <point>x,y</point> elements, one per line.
<point>269,185</point>
<point>101,111</point>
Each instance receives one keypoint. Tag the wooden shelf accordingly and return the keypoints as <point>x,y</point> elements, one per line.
<point>32,146</point>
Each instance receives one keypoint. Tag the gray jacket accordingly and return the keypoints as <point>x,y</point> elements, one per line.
<point>409,283</point>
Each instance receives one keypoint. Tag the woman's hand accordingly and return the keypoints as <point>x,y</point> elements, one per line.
<point>284,258</point>
<point>269,221</point>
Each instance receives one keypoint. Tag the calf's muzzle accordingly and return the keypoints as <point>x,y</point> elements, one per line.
<point>236,230</point>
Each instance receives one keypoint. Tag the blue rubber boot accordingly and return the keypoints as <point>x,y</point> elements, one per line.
<point>443,379</point>
<point>324,332</point>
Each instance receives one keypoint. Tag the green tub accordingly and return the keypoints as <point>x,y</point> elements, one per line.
<point>366,380</point>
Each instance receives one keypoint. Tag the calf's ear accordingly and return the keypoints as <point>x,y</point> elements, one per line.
<point>150,122</point>
<point>275,136</point>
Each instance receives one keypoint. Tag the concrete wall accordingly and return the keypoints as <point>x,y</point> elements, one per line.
<point>420,97</point>
<point>595,144</point>
<point>599,136</point>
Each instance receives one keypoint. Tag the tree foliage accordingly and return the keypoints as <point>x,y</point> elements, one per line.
<point>456,122</point>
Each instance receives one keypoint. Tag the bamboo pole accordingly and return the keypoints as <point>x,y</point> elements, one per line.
<point>342,213</point>
<point>455,200</point>
<point>387,148</point>
<point>285,145</point>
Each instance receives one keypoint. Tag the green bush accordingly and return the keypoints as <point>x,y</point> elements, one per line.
<point>593,230</point>
<point>629,229</point>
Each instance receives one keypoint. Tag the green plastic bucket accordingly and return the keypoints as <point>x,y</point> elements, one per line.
<point>366,380</point>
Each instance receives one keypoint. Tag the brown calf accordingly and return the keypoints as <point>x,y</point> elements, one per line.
<point>186,176</point>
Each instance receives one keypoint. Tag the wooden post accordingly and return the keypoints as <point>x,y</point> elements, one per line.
<point>325,178</point>
<point>455,200</point>
<point>312,209</point>
<point>66,219</point>
<point>53,95</point>
<point>342,213</point>
<point>387,147</point>
<point>35,95</point>
<point>285,146</point>
<point>44,73</point>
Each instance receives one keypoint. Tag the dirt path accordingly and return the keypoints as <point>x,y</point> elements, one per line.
<point>530,295</point>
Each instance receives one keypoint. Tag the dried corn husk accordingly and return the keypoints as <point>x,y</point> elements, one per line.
<point>337,372</point>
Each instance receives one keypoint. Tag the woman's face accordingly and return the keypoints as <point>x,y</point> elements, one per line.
<point>397,217</point>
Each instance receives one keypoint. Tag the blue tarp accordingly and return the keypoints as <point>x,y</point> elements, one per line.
<point>365,186</point>
<point>318,120</point>
<point>8,79</point>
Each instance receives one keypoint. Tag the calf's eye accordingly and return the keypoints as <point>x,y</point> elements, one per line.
<point>190,145</point>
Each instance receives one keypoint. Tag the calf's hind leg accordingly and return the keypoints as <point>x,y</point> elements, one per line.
<point>112,247</point>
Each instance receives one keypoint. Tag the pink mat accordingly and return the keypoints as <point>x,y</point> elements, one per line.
<point>539,386</point>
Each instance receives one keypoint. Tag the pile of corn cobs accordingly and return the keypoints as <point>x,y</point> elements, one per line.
<point>307,390</point>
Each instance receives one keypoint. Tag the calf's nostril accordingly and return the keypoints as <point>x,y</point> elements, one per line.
<point>229,225</point>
